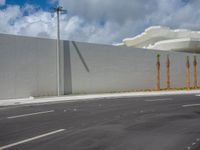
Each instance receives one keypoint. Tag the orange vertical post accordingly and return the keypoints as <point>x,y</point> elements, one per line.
<point>168,72</point>
<point>195,71</point>
<point>187,73</point>
<point>158,72</point>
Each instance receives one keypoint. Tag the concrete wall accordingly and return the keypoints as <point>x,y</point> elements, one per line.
<point>102,68</point>
<point>28,68</point>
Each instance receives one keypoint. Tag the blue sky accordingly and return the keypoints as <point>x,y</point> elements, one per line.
<point>97,21</point>
<point>44,4</point>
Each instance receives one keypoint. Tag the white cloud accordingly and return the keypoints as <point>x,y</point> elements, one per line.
<point>2,2</point>
<point>13,21</point>
<point>114,10</point>
<point>101,21</point>
<point>129,17</point>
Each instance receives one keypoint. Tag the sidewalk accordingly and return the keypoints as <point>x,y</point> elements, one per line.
<point>28,101</point>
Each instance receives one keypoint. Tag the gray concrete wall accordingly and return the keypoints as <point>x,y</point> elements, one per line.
<point>103,68</point>
<point>28,68</point>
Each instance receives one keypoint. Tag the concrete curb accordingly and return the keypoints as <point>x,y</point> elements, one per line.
<point>31,100</point>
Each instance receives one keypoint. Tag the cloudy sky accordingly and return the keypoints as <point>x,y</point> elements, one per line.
<point>96,21</point>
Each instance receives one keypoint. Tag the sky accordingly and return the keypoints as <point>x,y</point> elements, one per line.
<point>96,21</point>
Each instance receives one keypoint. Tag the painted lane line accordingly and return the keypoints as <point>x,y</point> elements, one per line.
<point>31,114</point>
<point>31,139</point>
<point>190,105</point>
<point>153,100</point>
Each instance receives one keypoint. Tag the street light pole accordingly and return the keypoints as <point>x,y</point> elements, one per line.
<point>58,10</point>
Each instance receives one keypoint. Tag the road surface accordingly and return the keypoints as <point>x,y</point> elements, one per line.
<point>143,123</point>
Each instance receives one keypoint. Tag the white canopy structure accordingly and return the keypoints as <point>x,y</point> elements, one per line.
<point>164,38</point>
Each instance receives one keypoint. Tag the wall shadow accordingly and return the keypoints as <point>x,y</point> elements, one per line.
<point>80,56</point>
<point>67,69</point>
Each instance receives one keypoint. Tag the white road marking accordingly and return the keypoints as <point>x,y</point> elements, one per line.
<point>193,143</point>
<point>31,139</point>
<point>190,105</point>
<point>153,100</point>
<point>31,114</point>
<point>141,111</point>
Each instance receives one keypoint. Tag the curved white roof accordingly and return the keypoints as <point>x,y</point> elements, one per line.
<point>164,38</point>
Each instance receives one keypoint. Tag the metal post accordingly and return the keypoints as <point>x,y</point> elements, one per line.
<point>58,10</point>
<point>58,51</point>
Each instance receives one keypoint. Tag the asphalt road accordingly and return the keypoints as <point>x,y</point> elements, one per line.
<point>144,123</point>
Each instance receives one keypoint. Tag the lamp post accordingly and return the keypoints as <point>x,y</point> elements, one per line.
<point>58,9</point>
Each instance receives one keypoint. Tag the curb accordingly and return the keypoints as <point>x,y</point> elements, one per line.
<point>46,100</point>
